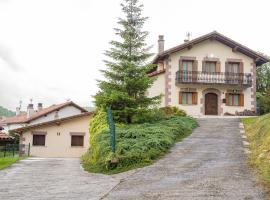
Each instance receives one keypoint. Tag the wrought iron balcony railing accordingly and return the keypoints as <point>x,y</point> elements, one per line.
<point>199,77</point>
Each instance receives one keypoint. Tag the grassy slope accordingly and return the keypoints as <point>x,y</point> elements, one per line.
<point>138,145</point>
<point>258,134</point>
<point>6,162</point>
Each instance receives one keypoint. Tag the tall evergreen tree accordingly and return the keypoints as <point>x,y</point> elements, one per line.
<point>126,74</point>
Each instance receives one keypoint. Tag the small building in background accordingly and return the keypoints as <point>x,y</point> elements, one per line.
<point>56,131</point>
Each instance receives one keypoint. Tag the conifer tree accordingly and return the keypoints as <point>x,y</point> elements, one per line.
<point>126,75</point>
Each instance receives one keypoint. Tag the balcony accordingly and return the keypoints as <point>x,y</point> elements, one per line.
<point>222,78</point>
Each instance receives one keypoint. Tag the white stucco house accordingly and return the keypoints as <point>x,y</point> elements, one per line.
<point>209,75</point>
<point>60,130</point>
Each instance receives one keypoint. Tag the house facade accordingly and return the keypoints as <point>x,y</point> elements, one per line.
<point>60,130</point>
<point>39,115</point>
<point>65,137</point>
<point>209,75</point>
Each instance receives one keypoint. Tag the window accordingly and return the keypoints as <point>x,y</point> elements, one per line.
<point>188,98</point>
<point>187,68</point>
<point>233,68</point>
<point>77,140</point>
<point>39,140</point>
<point>234,99</point>
<point>210,67</point>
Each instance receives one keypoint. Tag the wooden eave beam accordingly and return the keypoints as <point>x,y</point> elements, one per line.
<point>235,49</point>
<point>190,46</point>
<point>256,60</point>
<point>213,38</point>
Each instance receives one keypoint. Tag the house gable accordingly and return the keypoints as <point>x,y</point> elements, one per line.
<point>211,50</point>
<point>215,36</point>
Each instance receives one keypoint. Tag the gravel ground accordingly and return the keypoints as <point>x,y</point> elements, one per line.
<point>210,164</point>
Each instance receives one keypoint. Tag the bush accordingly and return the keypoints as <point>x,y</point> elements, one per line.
<point>136,144</point>
<point>148,116</point>
<point>173,111</point>
<point>263,100</point>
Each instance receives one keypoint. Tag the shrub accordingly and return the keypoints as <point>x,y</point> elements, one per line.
<point>173,111</point>
<point>148,116</point>
<point>136,144</point>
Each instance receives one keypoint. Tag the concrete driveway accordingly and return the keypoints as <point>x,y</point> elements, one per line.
<point>210,164</point>
<point>53,178</point>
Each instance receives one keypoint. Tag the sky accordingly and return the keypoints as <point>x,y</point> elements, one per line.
<point>51,51</point>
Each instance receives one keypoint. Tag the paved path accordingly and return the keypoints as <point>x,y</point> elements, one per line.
<point>210,164</point>
<point>51,179</point>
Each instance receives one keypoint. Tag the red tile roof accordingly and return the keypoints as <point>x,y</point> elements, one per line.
<point>4,136</point>
<point>22,118</point>
<point>52,122</point>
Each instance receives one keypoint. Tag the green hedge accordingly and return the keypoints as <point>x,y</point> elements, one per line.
<point>137,144</point>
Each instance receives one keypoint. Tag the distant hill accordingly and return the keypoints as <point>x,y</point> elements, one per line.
<point>5,112</point>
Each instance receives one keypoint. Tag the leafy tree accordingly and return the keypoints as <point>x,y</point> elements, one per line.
<point>127,67</point>
<point>263,78</point>
<point>5,112</point>
<point>263,88</point>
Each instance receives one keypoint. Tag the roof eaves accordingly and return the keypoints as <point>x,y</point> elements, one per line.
<point>221,38</point>
<point>19,130</point>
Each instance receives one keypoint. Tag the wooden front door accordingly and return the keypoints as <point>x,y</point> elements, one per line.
<point>211,104</point>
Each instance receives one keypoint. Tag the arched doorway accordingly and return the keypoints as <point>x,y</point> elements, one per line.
<point>211,104</point>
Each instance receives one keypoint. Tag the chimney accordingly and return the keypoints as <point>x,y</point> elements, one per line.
<point>30,110</point>
<point>160,44</point>
<point>39,107</point>
<point>188,35</point>
<point>18,111</point>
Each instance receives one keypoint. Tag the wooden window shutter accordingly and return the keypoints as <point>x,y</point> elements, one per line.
<point>180,65</point>
<point>241,67</point>
<point>241,71</point>
<point>194,70</point>
<point>218,66</point>
<point>241,100</point>
<point>226,71</point>
<point>203,66</point>
<point>194,98</point>
<point>180,69</point>
<point>180,97</point>
<point>227,99</point>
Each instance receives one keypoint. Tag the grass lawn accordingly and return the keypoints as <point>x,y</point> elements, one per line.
<point>5,162</point>
<point>137,145</point>
<point>258,134</point>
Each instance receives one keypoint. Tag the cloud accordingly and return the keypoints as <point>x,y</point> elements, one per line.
<point>8,58</point>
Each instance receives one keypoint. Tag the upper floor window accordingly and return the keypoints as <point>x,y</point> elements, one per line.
<point>210,66</point>
<point>233,68</point>
<point>187,65</point>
